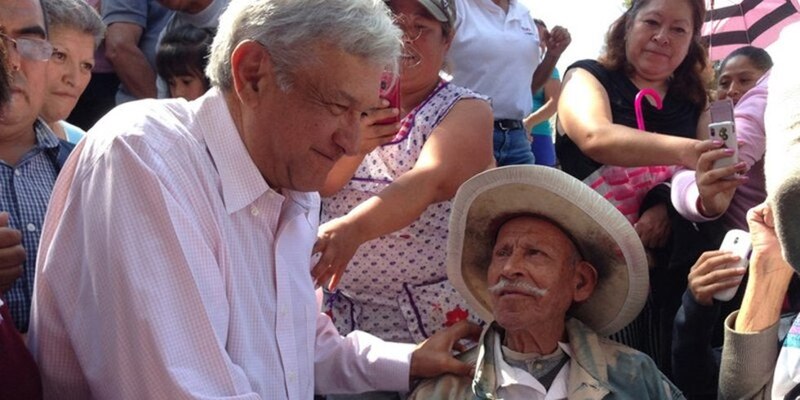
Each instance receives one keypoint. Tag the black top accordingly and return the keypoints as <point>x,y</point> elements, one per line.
<point>677,117</point>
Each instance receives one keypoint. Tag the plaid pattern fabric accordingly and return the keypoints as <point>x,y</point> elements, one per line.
<point>24,193</point>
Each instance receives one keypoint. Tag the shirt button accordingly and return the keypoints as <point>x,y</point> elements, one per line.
<point>254,211</point>
<point>17,172</point>
<point>31,228</point>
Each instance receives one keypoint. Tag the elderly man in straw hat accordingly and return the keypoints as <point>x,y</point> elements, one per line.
<point>556,268</point>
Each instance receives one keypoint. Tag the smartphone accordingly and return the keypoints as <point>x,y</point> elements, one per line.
<point>390,90</point>
<point>725,132</point>
<point>722,128</point>
<point>737,242</point>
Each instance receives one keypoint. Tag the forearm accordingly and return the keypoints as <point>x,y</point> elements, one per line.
<point>686,197</point>
<point>134,72</point>
<point>542,114</point>
<point>748,362</point>
<point>695,368</point>
<point>627,147</point>
<point>543,72</point>
<point>763,298</point>
<point>341,173</point>
<point>358,362</point>
<point>394,208</point>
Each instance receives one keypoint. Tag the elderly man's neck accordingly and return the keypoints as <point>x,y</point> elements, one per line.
<point>538,339</point>
<point>15,141</point>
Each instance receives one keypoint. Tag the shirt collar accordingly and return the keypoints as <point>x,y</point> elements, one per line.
<point>241,180</point>
<point>508,375</point>
<point>45,138</point>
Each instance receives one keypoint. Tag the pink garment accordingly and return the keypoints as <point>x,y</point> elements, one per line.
<point>169,269</point>
<point>626,187</point>
<point>749,119</point>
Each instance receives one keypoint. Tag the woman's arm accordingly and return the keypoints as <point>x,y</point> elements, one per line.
<point>458,148</point>
<point>585,114</point>
<point>552,90</point>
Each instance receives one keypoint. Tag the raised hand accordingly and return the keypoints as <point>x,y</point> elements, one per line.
<point>717,185</point>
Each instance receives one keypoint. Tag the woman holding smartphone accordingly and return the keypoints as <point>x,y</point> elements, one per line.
<point>387,208</point>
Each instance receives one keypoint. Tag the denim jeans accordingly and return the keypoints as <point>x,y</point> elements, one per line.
<point>511,147</point>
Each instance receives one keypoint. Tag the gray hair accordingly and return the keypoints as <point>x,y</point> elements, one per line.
<point>74,14</point>
<point>289,30</point>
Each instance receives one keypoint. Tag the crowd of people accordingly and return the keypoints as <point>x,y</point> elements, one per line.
<point>220,199</point>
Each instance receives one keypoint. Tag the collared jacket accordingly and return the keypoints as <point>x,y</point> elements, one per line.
<point>599,369</point>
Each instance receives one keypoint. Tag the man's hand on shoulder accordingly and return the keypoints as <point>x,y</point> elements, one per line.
<point>434,357</point>
<point>12,254</point>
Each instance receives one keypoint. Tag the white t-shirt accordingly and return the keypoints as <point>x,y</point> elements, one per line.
<point>495,54</point>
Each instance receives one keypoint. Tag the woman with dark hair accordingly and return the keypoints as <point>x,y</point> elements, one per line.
<point>740,71</point>
<point>654,45</point>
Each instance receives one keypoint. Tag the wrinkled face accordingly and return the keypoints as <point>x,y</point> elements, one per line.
<point>188,87</point>
<point>424,45</point>
<point>532,255</point>
<point>24,19</point>
<point>295,136</point>
<point>658,39</point>
<point>737,77</point>
<point>68,72</point>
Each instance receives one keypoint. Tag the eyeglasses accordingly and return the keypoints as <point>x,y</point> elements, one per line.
<point>31,48</point>
<point>412,30</point>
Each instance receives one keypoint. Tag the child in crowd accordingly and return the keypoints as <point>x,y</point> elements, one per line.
<point>181,59</point>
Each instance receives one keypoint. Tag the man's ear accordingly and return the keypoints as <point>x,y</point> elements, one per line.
<point>251,70</point>
<point>585,281</point>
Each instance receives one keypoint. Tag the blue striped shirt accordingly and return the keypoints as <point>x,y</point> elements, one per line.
<point>24,193</point>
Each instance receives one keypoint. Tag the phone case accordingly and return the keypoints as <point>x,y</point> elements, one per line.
<point>737,242</point>
<point>725,132</point>
<point>390,90</point>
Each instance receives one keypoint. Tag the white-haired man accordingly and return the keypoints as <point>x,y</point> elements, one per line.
<point>177,253</point>
<point>556,268</point>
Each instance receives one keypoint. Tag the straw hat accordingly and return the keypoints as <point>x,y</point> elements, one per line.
<point>604,238</point>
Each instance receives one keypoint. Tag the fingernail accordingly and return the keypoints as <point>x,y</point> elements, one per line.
<point>717,142</point>
<point>385,103</point>
<point>728,151</point>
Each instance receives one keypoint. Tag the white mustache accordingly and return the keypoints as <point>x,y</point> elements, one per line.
<point>521,286</point>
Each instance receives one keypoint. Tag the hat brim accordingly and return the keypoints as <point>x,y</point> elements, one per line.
<point>435,11</point>
<point>604,237</point>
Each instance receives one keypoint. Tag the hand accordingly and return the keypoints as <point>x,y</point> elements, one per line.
<point>769,274</point>
<point>716,186</point>
<point>374,134</point>
<point>527,123</point>
<point>433,357</point>
<point>12,254</point>
<point>653,227</point>
<point>766,246</point>
<point>707,278</point>
<point>338,241</point>
<point>558,41</point>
